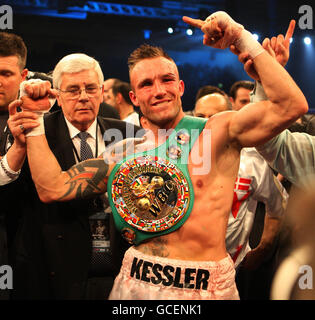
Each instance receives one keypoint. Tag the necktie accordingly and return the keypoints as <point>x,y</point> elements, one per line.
<point>85,149</point>
<point>101,259</point>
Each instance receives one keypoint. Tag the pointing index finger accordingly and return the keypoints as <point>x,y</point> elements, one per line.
<point>193,22</point>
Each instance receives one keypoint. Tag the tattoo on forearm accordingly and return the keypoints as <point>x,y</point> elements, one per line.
<point>86,178</point>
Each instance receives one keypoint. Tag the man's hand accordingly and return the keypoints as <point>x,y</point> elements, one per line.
<point>19,122</point>
<point>278,47</point>
<point>220,30</point>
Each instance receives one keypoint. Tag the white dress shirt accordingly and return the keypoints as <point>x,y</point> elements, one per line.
<point>91,140</point>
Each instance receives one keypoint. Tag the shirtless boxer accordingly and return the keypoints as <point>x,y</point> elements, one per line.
<point>190,262</point>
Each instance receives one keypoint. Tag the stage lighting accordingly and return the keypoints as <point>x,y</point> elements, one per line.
<point>256,36</point>
<point>147,34</point>
<point>307,40</point>
<point>189,32</point>
<point>291,40</point>
<point>170,30</point>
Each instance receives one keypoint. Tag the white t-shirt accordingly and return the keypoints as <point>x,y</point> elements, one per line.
<point>133,118</point>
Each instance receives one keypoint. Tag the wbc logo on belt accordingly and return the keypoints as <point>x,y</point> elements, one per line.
<point>150,193</point>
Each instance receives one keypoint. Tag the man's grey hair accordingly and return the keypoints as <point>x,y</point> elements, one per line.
<point>76,62</point>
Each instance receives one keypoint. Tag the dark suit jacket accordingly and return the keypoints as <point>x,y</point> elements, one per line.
<point>51,250</point>
<point>107,111</point>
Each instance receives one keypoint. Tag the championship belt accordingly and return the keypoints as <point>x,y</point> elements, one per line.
<point>151,192</point>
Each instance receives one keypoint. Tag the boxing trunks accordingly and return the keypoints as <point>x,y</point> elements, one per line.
<point>146,277</point>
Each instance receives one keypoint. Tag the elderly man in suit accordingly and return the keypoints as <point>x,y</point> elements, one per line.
<point>57,254</point>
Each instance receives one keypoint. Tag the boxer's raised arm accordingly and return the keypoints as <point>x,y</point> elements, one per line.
<point>82,181</point>
<point>258,122</point>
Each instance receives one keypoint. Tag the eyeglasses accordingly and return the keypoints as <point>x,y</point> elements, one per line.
<point>76,93</point>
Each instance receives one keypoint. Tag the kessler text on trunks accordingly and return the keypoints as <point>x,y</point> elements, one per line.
<point>168,276</point>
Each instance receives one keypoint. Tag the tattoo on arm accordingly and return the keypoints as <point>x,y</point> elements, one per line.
<point>87,179</point>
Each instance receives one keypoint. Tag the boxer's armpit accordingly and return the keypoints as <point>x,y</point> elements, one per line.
<point>86,179</point>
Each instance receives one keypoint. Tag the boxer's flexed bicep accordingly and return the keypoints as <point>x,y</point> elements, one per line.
<point>254,124</point>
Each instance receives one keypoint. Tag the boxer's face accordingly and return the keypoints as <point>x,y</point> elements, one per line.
<point>10,78</point>
<point>82,110</point>
<point>157,89</point>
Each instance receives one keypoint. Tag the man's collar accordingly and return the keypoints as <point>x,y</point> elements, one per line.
<point>73,131</point>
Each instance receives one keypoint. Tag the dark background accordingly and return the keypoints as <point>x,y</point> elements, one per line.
<point>111,37</point>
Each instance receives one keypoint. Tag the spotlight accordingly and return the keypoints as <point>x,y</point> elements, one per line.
<point>256,36</point>
<point>307,40</point>
<point>170,30</point>
<point>291,40</point>
<point>189,32</point>
<point>147,34</point>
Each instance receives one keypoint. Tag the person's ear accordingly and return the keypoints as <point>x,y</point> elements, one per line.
<point>58,99</point>
<point>133,99</point>
<point>118,98</point>
<point>181,87</point>
<point>24,74</point>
